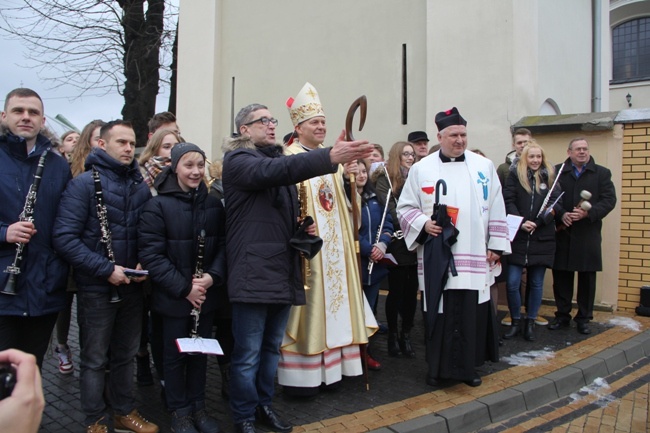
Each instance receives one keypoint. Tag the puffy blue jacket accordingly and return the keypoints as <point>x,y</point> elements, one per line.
<point>371,214</point>
<point>41,285</point>
<point>77,231</point>
<point>168,243</point>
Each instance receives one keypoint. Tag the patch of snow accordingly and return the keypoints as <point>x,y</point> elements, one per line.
<point>626,322</point>
<point>597,388</point>
<point>530,359</point>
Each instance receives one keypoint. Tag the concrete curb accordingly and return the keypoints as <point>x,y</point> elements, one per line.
<point>505,404</point>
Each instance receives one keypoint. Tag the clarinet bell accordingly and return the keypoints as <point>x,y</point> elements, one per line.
<point>115,296</point>
<point>10,287</point>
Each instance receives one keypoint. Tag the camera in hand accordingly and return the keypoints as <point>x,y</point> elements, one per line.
<point>7,380</point>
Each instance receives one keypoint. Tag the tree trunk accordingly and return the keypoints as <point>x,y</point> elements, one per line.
<point>174,77</point>
<point>142,36</point>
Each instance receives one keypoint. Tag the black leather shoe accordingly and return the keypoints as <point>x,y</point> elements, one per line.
<point>245,427</point>
<point>583,328</point>
<point>267,417</point>
<point>558,323</point>
<point>474,382</point>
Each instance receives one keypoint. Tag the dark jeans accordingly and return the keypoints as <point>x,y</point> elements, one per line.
<point>30,334</point>
<point>535,277</point>
<point>258,330</point>
<point>372,294</point>
<point>63,320</point>
<point>224,335</point>
<point>563,293</point>
<point>184,373</point>
<point>115,328</point>
<point>402,296</point>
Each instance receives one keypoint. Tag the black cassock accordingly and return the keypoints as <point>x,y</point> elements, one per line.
<point>465,335</point>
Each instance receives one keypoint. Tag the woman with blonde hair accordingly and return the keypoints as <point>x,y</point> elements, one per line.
<point>68,142</point>
<point>533,248</point>
<point>157,155</point>
<point>403,278</point>
<point>88,140</point>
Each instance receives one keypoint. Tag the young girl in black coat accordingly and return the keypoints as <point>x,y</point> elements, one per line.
<point>169,229</point>
<point>533,247</point>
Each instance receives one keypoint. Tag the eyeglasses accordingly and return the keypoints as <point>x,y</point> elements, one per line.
<point>408,154</point>
<point>264,121</point>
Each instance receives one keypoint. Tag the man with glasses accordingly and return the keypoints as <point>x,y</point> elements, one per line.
<point>265,279</point>
<point>578,239</point>
<point>322,340</point>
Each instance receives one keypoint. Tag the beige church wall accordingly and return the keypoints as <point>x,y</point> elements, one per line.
<point>484,62</point>
<point>640,93</point>
<point>345,49</point>
<point>199,109</point>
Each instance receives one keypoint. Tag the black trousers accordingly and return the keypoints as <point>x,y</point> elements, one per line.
<point>563,293</point>
<point>185,374</point>
<point>402,296</point>
<point>29,334</point>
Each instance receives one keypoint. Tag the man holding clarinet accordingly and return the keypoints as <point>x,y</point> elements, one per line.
<point>100,243</point>
<point>34,279</point>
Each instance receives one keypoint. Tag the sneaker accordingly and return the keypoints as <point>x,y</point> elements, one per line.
<point>182,422</point>
<point>506,321</point>
<point>541,321</point>
<point>204,422</point>
<point>133,422</point>
<point>98,427</point>
<point>65,360</point>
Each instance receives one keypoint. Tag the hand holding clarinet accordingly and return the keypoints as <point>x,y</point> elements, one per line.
<point>580,211</point>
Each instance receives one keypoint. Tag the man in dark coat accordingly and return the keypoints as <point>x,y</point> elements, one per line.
<point>78,239</point>
<point>579,238</point>
<point>262,212</point>
<point>28,317</point>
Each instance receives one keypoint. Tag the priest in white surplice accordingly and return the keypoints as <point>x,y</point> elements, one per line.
<point>464,333</point>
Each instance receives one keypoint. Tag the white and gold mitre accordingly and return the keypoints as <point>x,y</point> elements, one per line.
<point>305,106</point>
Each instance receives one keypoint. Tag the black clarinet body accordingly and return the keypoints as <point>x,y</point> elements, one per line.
<point>26,215</point>
<point>106,239</point>
<point>198,273</point>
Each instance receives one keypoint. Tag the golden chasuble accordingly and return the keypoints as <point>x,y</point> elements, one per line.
<point>334,313</point>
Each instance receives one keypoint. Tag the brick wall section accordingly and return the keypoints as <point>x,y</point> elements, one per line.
<point>634,265</point>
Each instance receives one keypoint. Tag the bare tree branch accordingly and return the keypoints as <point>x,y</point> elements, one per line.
<point>105,45</point>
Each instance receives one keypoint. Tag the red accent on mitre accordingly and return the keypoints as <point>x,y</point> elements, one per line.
<point>289,102</point>
<point>448,112</point>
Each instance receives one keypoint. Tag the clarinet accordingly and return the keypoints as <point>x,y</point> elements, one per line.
<point>26,215</point>
<point>198,273</point>
<point>107,239</point>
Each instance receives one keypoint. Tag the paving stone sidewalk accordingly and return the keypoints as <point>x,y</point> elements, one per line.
<point>398,399</point>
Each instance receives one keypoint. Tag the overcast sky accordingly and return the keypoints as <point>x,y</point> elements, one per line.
<point>62,100</point>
